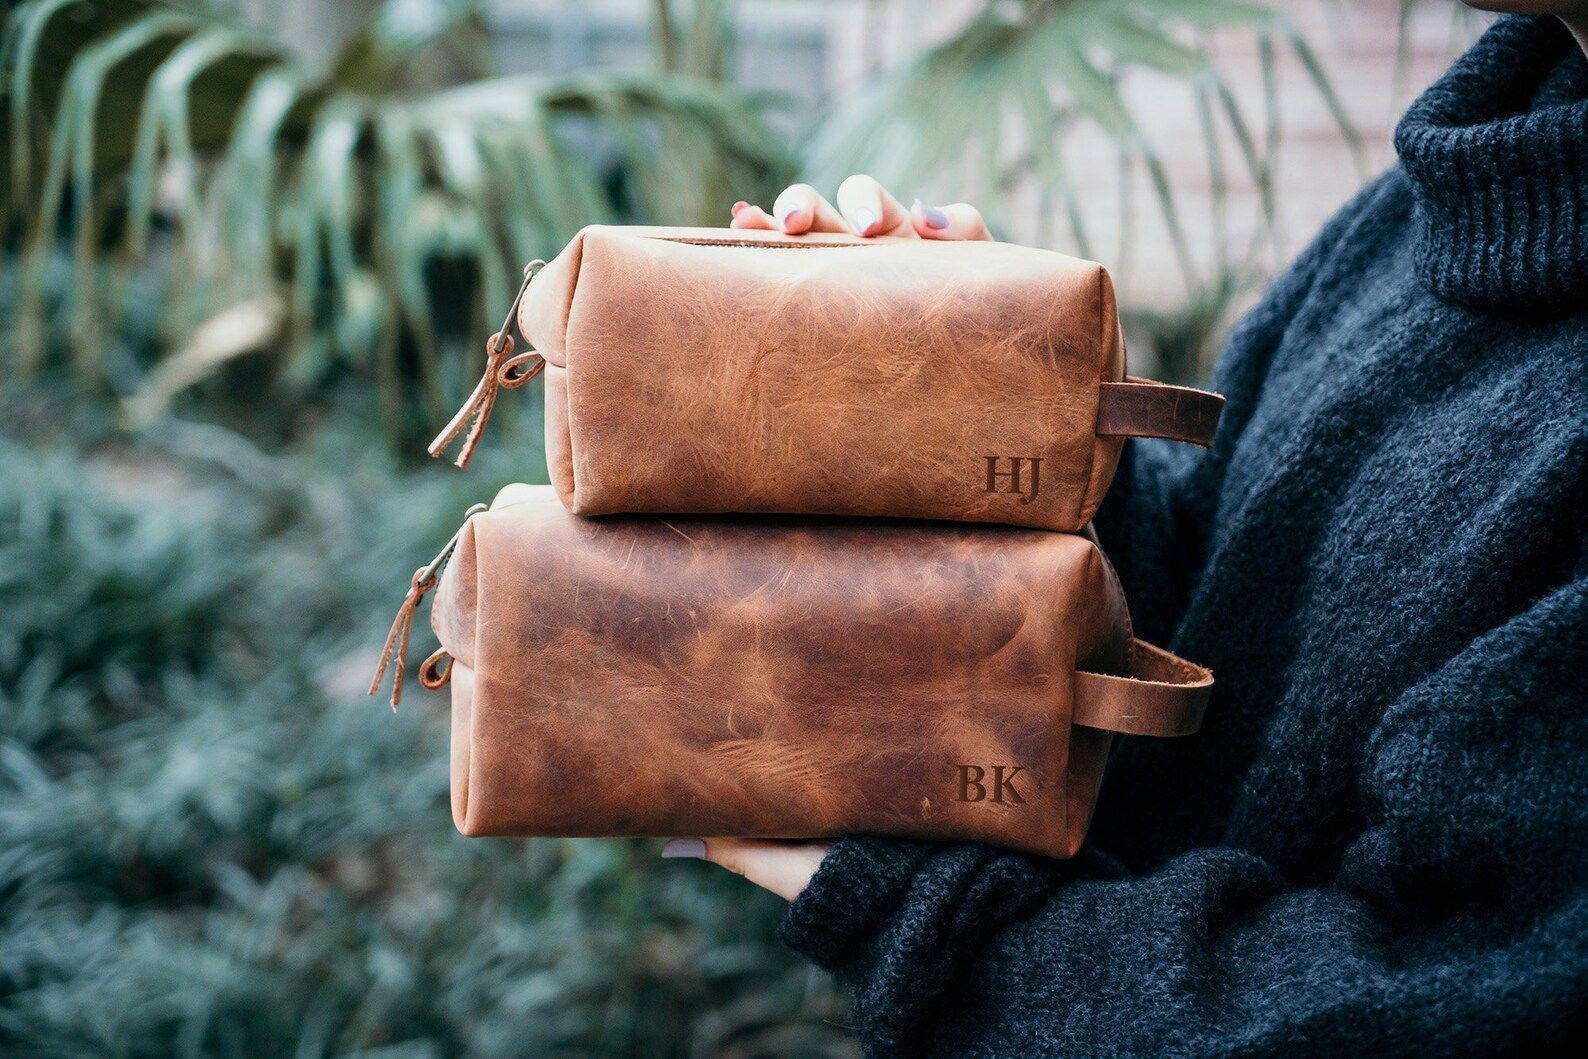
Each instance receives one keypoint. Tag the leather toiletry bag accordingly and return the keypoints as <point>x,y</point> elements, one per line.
<point>711,370</point>
<point>790,678</point>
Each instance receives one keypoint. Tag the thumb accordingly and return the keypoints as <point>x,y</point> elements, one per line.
<point>960,220</point>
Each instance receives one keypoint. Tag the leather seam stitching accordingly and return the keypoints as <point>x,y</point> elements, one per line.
<point>1097,409</point>
<point>567,356</point>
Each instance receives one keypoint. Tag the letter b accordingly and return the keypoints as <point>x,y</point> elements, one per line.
<point>970,779</point>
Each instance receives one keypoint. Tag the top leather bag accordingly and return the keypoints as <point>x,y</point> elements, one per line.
<point>712,370</point>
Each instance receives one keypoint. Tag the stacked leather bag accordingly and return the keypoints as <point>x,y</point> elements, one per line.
<point>815,558</point>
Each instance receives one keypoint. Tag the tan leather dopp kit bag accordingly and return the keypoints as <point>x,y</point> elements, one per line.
<point>788,678</point>
<point>815,557</point>
<point>708,370</point>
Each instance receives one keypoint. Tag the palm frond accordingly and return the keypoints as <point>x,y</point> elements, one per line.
<point>1029,73</point>
<point>179,141</point>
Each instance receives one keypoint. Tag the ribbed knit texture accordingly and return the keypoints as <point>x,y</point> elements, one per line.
<point>1378,844</point>
<point>1496,152</point>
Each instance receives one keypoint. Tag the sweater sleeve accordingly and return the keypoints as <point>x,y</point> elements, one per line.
<point>1462,902</point>
<point>1156,520</point>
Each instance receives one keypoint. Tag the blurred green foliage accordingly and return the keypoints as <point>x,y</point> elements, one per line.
<point>363,216</point>
<point>213,843</point>
<point>995,104</point>
<point>369,214</point>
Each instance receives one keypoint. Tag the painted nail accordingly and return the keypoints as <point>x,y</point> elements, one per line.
<point>684,848</point>
<point>737,206</point>
<point>865,221</point>
<point>787,216</point>
<point>934,217</point>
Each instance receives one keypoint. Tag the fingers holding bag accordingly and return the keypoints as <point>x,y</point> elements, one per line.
<point>864,208</point>
<point>958,220</point>
<point>783,868</point>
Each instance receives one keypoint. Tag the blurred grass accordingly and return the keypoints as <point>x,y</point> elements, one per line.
<point>213,843</point>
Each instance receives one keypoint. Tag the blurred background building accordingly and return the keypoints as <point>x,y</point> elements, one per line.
<point>1378,54</point>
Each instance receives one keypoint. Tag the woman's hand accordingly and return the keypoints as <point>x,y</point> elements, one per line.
<point>864,208</point>
<point>782,867</point>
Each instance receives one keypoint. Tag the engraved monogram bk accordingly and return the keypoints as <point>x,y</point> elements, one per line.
<point>976,786</point>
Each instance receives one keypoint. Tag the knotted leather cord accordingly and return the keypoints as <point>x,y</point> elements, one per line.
<point>396,648</point>
<point>502,369</point>
<point>432,674</point>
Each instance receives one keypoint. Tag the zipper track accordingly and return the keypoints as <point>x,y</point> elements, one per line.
<point>756,244</point>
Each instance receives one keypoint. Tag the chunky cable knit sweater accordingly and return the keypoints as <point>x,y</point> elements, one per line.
<point>1378,844</point>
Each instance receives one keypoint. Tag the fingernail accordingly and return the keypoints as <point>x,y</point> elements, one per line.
<point>865,221</point>
<point>737,206</point>
<point>787,216</point>
<point>934,217</point>
<point>684,848</point>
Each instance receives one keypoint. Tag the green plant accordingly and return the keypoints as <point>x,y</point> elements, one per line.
<point>996,102</point>
<point>212,842</point>
<point>354,211</point>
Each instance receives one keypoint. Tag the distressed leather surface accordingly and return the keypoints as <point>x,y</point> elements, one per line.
<point>707,370</point>
<point>786,678</point>
<point>1140,408</point>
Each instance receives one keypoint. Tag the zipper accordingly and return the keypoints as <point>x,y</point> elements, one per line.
<point>502,370</point>
<point>755,244</point>
<point>396,649</point>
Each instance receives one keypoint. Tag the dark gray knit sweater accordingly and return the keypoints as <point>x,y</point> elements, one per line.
<point>1378,844</point>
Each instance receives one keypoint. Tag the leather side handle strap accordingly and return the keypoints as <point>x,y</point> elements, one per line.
<point>1141,408</point>
<point>1164,695</point>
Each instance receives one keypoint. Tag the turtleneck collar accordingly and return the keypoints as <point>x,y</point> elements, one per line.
<point>1497,153</point>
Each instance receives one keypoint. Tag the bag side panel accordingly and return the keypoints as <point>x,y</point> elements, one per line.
<point>462,683</point>
<point>1105,449</point>
<point>454,611</point>
<point>544,312</point>
<point>559,441</point>
<point>1104,647</point>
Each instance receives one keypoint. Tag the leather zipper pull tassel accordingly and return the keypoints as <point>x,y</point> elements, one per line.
<point>396,648</point>
<point>397,639</point>
<point>502,369</point>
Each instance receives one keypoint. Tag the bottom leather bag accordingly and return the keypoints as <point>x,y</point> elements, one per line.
<point>787,678</point>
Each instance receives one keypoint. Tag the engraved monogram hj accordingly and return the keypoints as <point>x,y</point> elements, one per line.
<point>1031,465</point>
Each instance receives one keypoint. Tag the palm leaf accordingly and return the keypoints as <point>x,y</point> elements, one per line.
<point>1044,67</point>
<point>178,141</point>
